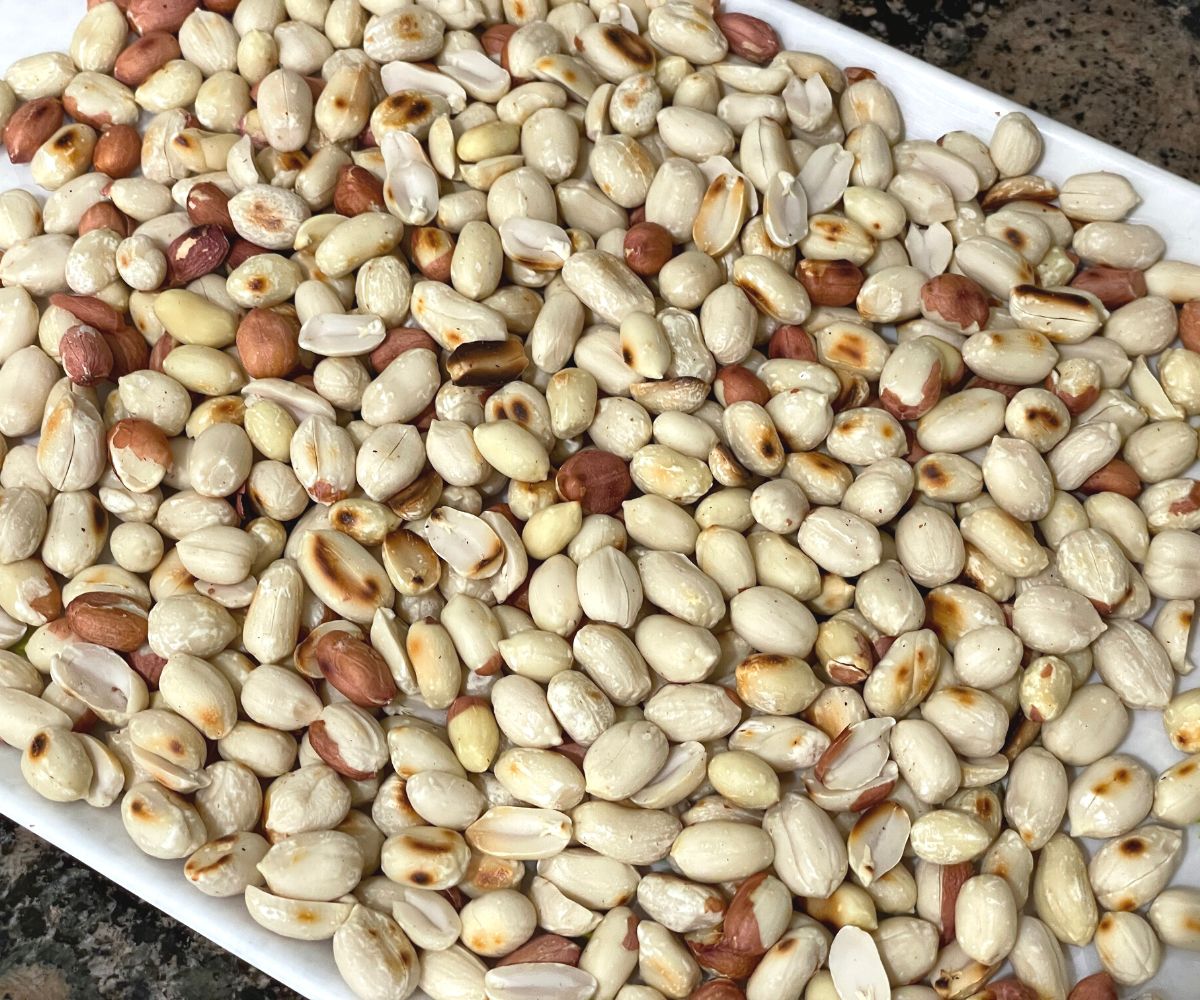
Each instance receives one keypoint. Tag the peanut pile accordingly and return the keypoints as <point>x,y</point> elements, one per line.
<point>570,502</point>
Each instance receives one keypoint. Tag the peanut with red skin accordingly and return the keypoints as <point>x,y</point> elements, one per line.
<point>30,126</point>
<point>268,344</point>
<point>138,62</point>
<point>599,480</point>
<point>749,37</point>
<point>85,355</point>
<point>830,282</point>
<point>1113,286</point>
<point>648,246</point>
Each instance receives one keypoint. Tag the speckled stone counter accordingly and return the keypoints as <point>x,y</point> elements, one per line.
<point>67,933</point>
<point>1123,70</point>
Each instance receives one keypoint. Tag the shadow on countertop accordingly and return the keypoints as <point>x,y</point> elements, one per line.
<point>1124,71</point>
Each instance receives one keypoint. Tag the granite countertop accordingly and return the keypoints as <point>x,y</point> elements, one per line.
<point>1122,70</point>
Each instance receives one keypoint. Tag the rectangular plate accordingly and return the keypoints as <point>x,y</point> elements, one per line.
<point>934,102</point>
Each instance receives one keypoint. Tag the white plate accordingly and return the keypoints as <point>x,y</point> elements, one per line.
<point>934,102</point>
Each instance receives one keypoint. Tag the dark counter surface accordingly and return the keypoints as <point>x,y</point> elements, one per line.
<point>1123,70</point>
